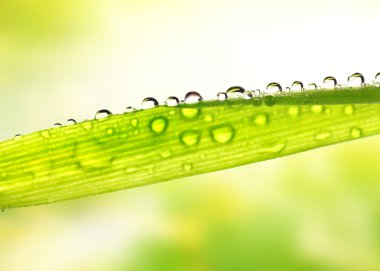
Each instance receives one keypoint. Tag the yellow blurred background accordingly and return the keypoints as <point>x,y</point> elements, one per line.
<point>318,210</point>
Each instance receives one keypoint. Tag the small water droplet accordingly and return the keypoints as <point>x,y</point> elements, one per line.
<point>71,122</point>
<point>158,125</point>
<point>172,101</point>
<point>130,170</point>
<point>102,113</point>
<point>208,118</point>
<point>355,80</point>
<point>110,131</point>
<point>235,92</point>
<point>129,109</point>
<point>349,109</point>
<point>356,132</point>
<point>45,134</point>
<point>329,82</point>
<point>256,102</point>
<point>297,86</point>
<point>148,103</point>
<point>18,137</point>
<point>261,119</point>
<point>294,111</point>
<point>223,133</point>
<point>322,135</point>
<point>134,123</point>
<point>190,113</point>
<point>312,86</point>
<point>247,95</point>
<point>269,100</point>
<point>257,92</point>
<point>317,109</point>
<point>57,125</point>
<point>221,96</point>
<point>187,167</point>
<point>377,77</point>
<point>274,87</point>
<point>87,125</point>
<point>165,153</point>
<point>193,97</point>
<point>190,137</point>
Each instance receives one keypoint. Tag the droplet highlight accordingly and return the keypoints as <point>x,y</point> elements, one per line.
<point>261,119</point>
<point>349,109</point>
<point>222,133</point>
<point>356,132</point>
<point>159,125</point>
<point>190,137</point>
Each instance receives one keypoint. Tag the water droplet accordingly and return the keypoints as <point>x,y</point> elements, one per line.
<point>355,80</point>
<point>102,113</point>
<point>222,133</point>
<point>87,125</point>
<point>45,134</point>
<point>256,102</point>
<point>329,82</point>
<point>190,113</point>
<point>272,147</point>
<point>165,153</point>
<point>274,87</point>
<point>148,103</point>
<point>159,125</point>
<point>297,86</point>
<point>193,97</point>
<point>172,101</point>
<point>110,131</point>
<point>269,100</point>
<point>377,77</point>
<point>322,135</point>
<point>134,123</point>
<point>190,137</point>
<point>261,119</point>
<point>294,111</point>
<point>17,137</point>
<point>235,92</point>
<point>317,109</point>
<point>57,125</point>
<point>257,92</point>
<point>130,170</point>
<point>187,167</point>
<point>349,109</point>
<point>247,95</point>
<point>221,96</point>
<point>208,118</point>
<point>71,122</point>
<point>356,132</point>
<point>312,86</point>
<point>129,109</point>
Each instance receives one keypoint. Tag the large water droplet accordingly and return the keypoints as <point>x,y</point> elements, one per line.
<point>349,109</point>
<point>235,92</point>
<point>102,113</point>
<point>222,133</point>
<point>190,137</point>
<point>222,96</point>
<point>269,100</point>
<point>356,132</point>
<point>172,101</point>
<point>159,125</point>
<point>148,103</point>
<point>322,135</point>
<point>377,77</point>
<point>193,97</point>
<point>297,86</point>
<point>261,119</point>
<point>355,80</point>
<point>190,113</point>
<point>274,87</point>
<point>329,82</point>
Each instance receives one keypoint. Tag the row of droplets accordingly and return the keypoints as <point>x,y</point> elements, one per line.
<point>354,80</point>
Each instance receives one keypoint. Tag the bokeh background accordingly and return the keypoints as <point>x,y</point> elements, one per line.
<point>319,210</point>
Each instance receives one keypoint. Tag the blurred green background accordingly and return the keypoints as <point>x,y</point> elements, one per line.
<point>318,210</point>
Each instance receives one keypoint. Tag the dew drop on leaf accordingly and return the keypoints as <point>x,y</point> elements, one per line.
<point>297,86</point>
<point>222,133</point>
<point>172,101</point>
<point>235,92</point>
<point>134,123</point>
<point>190,113</point>
<point>148,103</point>
<point>269,100</point>
<point>165,153</point>
<point>158,125</point>
<point>317,109</point>
<point>329,82</point>
<point>356,132</point>
<point>312,86</point>
<point>71,122</point>
<point>261,119</point>
<point>45,134</point>
<point>102,113</point>
<point>294,111</point>
<point>247,95</point>
<point>322,135</point>
<point>190,137</point>
<point>187,167</point>
<point>377,77</point>
<point>193,97</point>
<point>274,87</point>
<point>349,109</point>
<point>221,96</point>
<point>355,80</point>
<point>129,109</point>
